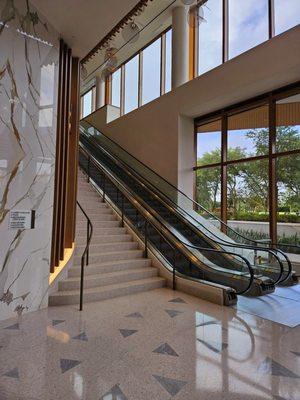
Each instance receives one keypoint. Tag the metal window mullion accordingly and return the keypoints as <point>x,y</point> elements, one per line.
<point>272,170</point>
<point>224,129</point>
<point>122,90</point>
<point>225,45</point>
<point>140,80</point>
<point>196,48</point>
<point>163,65</point>
<point>271,19</point>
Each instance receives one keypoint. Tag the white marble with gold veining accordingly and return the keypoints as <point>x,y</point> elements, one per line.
<point>28,100</point>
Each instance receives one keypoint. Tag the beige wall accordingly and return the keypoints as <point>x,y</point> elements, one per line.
<point>160,133</point>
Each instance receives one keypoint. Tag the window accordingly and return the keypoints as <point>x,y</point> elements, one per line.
<point>210,35</point>
<point>288,124</point>
<point>248,134</point>
<point>144,77</point>
<point>208,189</point>
<point>168,79</point>
<point>151,72</point>
<point>260,167</point>
<point>248,25</point>
<point>209,143</point>
<point>88,103</point>
<point>247,197</point>
<point>287,14</point>
<point>116,88</point>
<point>131,84</point>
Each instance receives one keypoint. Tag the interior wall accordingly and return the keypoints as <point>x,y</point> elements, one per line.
<point>157,133</point>
<point>28,97</point>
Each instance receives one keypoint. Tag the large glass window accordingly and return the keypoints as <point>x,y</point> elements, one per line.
<point>87,103</point>
<point>257,159</point>
<point>248,25</point>
<point>131,84</point>
<point>247,198</point>
<point>288,124</point>
<point>248,134</point>
<point>116,88</point>
<point>210,35</point>
<point>208,189</point>
<point>287,14</point>
<point>168,79</point>
<point>209,143</point>
<point>151,72</point>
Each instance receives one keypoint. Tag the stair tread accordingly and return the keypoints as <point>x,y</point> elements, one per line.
<point>110,274</point>
<point>111,263</point>
<point>83,245</point>
<point>109,287</point>
<point>117,252</point>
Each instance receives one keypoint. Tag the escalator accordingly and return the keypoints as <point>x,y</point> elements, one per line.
<point>198,238</point>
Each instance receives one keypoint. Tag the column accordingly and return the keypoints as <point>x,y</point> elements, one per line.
<point>100,92</point>
<point>180,46</point>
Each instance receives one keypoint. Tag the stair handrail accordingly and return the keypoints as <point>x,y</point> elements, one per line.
<point>85,254</point>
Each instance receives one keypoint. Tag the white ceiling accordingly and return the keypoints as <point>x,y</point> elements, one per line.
<point>83,23</point>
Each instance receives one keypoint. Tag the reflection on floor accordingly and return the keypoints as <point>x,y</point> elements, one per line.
<point>282,306</point>
<point>155,345</point>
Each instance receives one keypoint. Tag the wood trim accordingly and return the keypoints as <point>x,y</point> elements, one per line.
<point>192,47</point>
<point>72,158</point>
<point>54,243</point>
<point>132,13</point>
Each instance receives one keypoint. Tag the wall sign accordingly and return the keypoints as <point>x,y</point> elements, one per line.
<point>21,219</point>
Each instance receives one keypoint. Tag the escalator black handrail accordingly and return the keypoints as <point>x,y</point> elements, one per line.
<point>124,188</point>
<point>195,203</point>
<point>222,242</point>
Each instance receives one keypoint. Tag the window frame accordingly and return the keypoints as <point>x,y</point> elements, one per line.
<point>139,53</point>
<point>270,99</point>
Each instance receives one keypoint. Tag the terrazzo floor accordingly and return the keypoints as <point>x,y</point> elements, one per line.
<point>160,344</point>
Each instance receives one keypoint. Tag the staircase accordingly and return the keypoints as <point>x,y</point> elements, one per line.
<point>116,263</point>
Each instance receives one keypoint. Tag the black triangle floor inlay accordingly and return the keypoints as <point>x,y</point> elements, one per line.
<point>166,349</point>
<point>66,365</point>
<point>172,386</point>
<point>271,367</point>
<point>13,373</point>
<point>173,313</point>
<point>57,321</point>
<point>178,300</point>
<point>217,347</point>
<point>135,315</point>
<point>127,332</point>
<point>81,336</point>
<point>115,393</point>
<point>13,327</point>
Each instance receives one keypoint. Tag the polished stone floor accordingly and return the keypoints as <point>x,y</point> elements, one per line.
<point>155,345</point>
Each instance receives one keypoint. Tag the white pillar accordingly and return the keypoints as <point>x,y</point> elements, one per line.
<point>180,46</point>
<point>100,92</point>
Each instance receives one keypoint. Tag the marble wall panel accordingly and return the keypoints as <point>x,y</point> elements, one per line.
<point>29,57</point>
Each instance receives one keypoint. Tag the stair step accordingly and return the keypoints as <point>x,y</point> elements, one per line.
<point>93,213</point>
<point>97,218</point>
<point>100,239</point>
<point>97,248</point>
<point>113,266</point>
<point>109,278</point>
<point>111,256</point>
<point>97,232</point>
<point>106,292</point>
<point>99,224</point>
